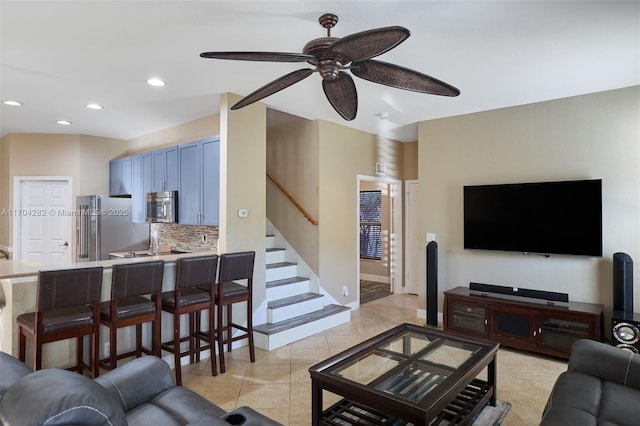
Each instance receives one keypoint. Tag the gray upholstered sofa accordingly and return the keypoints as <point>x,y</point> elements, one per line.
<point>600,387</point>
<point>140,392</point>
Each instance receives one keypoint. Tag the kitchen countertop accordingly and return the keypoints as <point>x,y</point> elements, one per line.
<point>18,268</point>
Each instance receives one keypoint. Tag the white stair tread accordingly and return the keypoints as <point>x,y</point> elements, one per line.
<point>278,327</point>
<point>287,301</point>
<point>286,281</point>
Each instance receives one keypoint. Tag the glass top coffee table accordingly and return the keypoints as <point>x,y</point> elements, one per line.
<point>407,375</point>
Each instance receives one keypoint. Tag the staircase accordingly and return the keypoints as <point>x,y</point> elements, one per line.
<point>294,311</point>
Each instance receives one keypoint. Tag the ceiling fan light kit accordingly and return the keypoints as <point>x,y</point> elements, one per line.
<point>332,57</point>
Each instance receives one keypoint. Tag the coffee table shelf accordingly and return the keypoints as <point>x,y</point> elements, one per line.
<point>407,375</point>
<point>462,408</point>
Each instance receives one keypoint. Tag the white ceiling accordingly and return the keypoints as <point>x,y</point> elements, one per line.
<point>58,56</point>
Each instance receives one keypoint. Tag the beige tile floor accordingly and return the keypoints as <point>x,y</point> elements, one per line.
<point>278,383</point>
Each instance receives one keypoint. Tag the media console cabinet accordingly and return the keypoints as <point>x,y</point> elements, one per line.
<point>522,322</point>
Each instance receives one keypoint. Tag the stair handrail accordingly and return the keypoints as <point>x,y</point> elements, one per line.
<point>292,199</point>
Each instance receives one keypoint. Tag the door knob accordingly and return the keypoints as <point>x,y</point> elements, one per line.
<point>66,244</point>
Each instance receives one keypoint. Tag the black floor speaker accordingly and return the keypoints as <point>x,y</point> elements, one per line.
<point>432,284</point>
<point>625,330</point>
<point>622,282</point>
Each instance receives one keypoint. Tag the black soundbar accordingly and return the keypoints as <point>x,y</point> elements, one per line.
<point>523,292</point>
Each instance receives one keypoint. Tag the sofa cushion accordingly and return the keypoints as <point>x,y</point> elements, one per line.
<point>10,371</point>
<point>575,399</point>
<point>149,414</point>
<point>63,398</point>
<point>186,405</point>
<point>619,404</point>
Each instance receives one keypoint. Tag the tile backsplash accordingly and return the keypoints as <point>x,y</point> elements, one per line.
<point>187,237</point>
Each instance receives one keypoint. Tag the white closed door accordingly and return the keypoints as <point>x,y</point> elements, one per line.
<point>45,218</point>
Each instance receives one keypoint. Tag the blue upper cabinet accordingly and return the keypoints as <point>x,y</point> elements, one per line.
<point>189,192</point>
<point>140,185</point>
<point>120,177</point>
<point>199,193</point>
<point>164,169</point>
<point>210,166</point>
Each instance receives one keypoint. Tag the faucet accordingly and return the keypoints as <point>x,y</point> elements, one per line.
<point>154,246</point>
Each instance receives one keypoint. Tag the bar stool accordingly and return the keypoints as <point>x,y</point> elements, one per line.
<point>67,306</point>
<point>130,282</point>
<point>187,298</point>
<point>234,267</point>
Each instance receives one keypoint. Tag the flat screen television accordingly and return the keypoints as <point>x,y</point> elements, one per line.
<point>544,217</point>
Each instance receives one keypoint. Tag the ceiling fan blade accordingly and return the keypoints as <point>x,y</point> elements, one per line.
<point>367,44</point>
<point>258,56</point>
<point>342,95</point>
<point>273,87</point>
<point>401,78</point>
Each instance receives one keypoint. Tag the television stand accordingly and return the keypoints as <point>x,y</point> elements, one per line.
<point>522,322</point>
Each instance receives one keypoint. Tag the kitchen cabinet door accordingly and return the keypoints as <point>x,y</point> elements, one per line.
<point>120,177</point>
<point>140,185</point>
<point>164,169</point>
<point>199,194</point>
<point>210,166</point>
<point>189,192</point>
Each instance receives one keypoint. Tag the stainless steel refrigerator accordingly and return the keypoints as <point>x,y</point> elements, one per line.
<point>104,226</point>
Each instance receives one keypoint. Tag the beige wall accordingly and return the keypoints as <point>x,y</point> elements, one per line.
<point>344,154</point>
<point>185,132</point>
<point>292,158</point>
<point>83,158</point>
<point>592,136</point>
<point>242,186</point>
<point>410,157</point>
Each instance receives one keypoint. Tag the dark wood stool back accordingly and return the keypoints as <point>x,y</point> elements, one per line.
<point>67,306</point>
<point>130,283</point>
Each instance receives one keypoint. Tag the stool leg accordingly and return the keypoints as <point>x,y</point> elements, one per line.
<point>220,338</point>
<point>113,345</point>
<point>196,332</point>
<point>37,353</point>
<point>212,343</point>
<point>79,354</point>
<point>229,326</point>
<point>138,340</point>
<point>156,327</point>
<point>252,349</point>
<point>192,341</point>
<point>22,351</point>
<point>176,347</point>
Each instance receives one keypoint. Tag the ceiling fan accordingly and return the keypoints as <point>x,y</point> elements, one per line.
<point>332,57</point>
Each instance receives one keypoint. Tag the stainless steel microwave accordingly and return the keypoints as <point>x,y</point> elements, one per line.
<point>162,207</point>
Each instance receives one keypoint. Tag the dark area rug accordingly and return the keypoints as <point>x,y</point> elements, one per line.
<point>371,290</point>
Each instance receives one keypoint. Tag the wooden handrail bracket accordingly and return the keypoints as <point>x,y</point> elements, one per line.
<point>292,199</point>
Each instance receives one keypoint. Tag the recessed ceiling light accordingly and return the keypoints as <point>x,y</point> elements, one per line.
<point>12,103</point>
<point>64,122</point>
<point>94,106</point>
<point>156,82</point>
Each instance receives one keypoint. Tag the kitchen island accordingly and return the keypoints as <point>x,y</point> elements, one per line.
<point>18,290</point>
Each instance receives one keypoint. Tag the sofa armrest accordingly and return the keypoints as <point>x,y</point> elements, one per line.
<point>58,397</point>
<point>605,362</point>
<point>138,381</point>
<point>11,369</point>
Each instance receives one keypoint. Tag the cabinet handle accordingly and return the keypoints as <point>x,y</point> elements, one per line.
<point>540,330</point>
<point>486,322</point>
<point>535,333</point>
